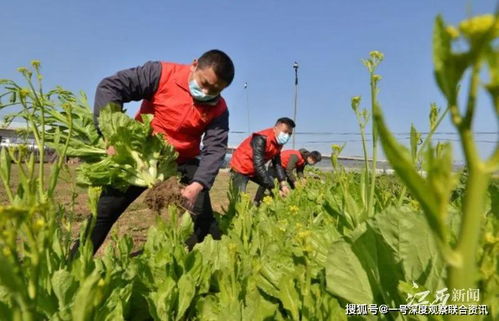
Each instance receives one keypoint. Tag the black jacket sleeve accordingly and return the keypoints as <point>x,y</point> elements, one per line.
<point>213,152</point>
<point>262,176</point>
<point>130,84</point>
<point>276,162</point>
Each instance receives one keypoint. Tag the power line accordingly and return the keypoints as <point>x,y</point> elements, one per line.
<point>368,140</point>
<point>396,133</point>
<point>295,67</point>
<point>358,134</point>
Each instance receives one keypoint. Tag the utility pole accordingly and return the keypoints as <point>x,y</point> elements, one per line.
<point>247,105</point>
<point>295,66</point>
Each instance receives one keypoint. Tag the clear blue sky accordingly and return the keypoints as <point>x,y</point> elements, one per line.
<point>80,42</point>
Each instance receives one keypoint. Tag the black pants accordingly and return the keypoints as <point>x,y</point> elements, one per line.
<point>240,181</point>
<point>113,203</point>
<point>260,192</point>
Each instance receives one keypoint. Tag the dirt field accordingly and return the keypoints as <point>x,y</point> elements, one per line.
<point>137,218</point>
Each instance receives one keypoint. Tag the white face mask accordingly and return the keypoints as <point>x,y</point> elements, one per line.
<point>282,138</point>
<point>197,93</point>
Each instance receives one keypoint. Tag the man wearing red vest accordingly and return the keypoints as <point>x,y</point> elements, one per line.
<point>186,103</point>
<point>249,159</point>
<point>292,160</point>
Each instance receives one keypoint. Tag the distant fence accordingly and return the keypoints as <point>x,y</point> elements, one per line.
<point>49,157</point>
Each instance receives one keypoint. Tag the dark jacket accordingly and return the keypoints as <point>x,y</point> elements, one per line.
<point>261,174</point>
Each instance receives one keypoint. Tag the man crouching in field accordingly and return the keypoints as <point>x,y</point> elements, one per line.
<point>186,103</point>
<point>292,160</point>
<point>249,159</point>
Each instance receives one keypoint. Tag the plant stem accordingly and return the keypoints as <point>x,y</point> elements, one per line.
<point>40,137</point>
<point>464,275</point>
<point>432,131</point>
<point>493,162</point>
<point>62,156</point>
<point>426,141</point>
<point>366,166</point>
<point>370,202</point>
<point>8,191</point>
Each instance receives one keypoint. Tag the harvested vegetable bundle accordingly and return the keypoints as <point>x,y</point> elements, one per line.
<point>141,158</point>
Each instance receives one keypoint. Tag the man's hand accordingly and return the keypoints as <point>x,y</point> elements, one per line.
<point>190,194</point>
<point>284,190</point>
<point>110,148</point>
<point>111,151</point>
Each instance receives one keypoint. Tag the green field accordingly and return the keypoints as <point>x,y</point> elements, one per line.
<point>137,218</point>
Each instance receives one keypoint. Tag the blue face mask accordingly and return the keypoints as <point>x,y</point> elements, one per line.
<point>282,138</point>
<point>197,93</point>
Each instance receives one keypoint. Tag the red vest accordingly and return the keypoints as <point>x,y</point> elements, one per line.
<point>285,155</point>
<point>177,116</point>
<point>242,158</point>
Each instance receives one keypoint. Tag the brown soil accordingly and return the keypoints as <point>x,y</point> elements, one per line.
<point>137,219</point>
<point>165,193</point>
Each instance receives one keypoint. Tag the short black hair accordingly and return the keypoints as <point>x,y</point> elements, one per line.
<point>220,62</point>
<point>287,121</point>
<point>304,151</point>
<point>316,156</point>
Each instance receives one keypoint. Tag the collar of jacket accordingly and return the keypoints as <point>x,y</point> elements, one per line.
<point>182,80</point>
<point>270,132</point>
